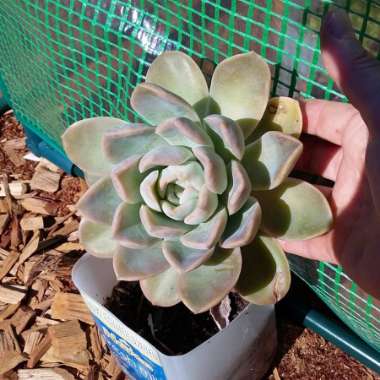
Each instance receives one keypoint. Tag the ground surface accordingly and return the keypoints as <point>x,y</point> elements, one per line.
<point>43,322</point>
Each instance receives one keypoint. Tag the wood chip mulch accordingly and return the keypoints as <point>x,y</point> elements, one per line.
<point>46,331</point>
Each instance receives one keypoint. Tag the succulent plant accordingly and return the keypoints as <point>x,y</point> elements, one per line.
<point>191,202</point>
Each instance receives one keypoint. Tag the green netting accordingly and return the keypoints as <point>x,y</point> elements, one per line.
<point>64,60</point>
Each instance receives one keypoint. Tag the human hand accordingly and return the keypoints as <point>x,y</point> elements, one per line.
<point>342,143</point>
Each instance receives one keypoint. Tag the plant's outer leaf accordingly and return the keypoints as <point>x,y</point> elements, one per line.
<point>180,131</point>
<point>126,179</point>
<point>161,289</point>
<point>182,258</point>
<point>241,85</point>
<point>206,106</point>
<point>82,143</point>
<point>97,238</point>
<point>127,228</point>
<point>240,187</point>
<point>205,286</point>
<point>269,160</point>
<point>243,226</point>
<point>206,204</point>
<point>165,156</point>
<point>265,276</point>
<point>228,135</point>
<point>160,226</point>
<point>178,73</point>
<point>186,175</point>
<point>91,178</point>
<point>148,190</point>
<point>284,115</point>
<point>132,139</point>
<point>207,234</point>
<point>137,264</point>
<point>155,104</point>
<point>295,210</point>
<point>215,173</point>
<point>178,212</point>
<point>99,202</point>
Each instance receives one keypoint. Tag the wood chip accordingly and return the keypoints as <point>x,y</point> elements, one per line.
<point>3,206</point>
<point>32,223</point>
<point>4,221</point>
<point>44,374</point>
<point>8,311</point>
<point>70,247</point>
<point>97,344</point>
<point>10,360</point>
<point>68,336</point>
<point>45,179</point>
<point>8,340</point>
<point>39,351</point>
<point>7,264</point>
<point>21,318</point>
<point>39,206</point>
<point>16,189</point>
<point>32,339</point>
<point>12,293</point>
<point>70,306</point>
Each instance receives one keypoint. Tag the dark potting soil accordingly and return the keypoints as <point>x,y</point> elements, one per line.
<point>173,330</point>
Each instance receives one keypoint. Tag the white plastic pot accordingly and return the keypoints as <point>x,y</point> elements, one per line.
<point>243,350</point>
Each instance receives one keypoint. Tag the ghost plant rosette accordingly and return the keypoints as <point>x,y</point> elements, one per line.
<point>191,202</point>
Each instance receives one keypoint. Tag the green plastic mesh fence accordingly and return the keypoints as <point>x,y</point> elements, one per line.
<point>64,60</point>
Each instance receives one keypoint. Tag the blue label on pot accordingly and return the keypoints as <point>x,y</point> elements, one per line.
<point>132,361</point>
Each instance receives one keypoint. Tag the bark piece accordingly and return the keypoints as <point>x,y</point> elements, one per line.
<point>70,306</point>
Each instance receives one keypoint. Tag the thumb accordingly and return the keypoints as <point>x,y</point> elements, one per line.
<point>354,70</point>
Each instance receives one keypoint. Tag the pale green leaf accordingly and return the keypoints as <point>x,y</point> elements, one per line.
<point>227,136</point>
<point>295,210</point>
<point>269,160</point>
<point>127,228</point>
<point>132,139</point>
<point>126,179</point>
<point>155,104</point>
<point>206,234</point>
<point>148,190</point>
<point>265,276</point>
<point>160,226</point>
<point>240,187</point>
<point>215,173</point>
<point>182,258</point>
<point>178,73</point>
<point>205,286</point>
<point>242,227</point>
<point>97,238</point>
<point>241,85</point>
<point>99,202</point>
<point>183,132</point>
<point>137,264</point>
<point>161,289</point>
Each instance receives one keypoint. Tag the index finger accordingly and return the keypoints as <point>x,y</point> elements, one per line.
<point>327,119</point>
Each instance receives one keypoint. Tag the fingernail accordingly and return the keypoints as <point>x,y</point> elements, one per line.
<point>338,25</point>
